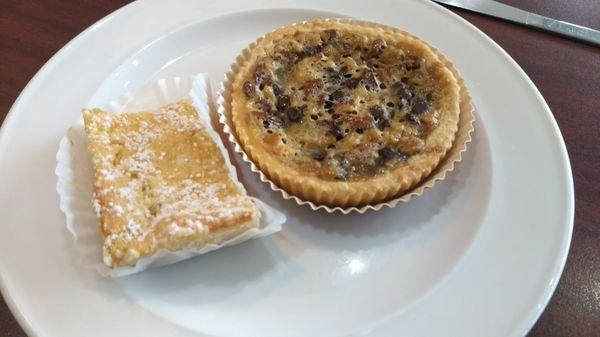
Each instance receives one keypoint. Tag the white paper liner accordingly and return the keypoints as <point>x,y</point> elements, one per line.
<point>453,156</point>
<point>74,171</point>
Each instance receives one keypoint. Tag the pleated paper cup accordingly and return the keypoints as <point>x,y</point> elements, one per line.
<point>75,178</point>
<point>446,164</point>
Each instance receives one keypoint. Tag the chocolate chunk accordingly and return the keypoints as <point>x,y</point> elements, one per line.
<point>328,105</point>
<point>403,90</point>
<point>332,76</point>
<point>295,114</point>
<point>276,89</point>
<point>249,89</point>
<point>377,112</point>
<point>385,154</point>
<point>382,120</point>
<point>283,102</point>
<point>333,128</point>
<point>319,155</point>
<point>351,83</point>
<point>383,123</point>
<point>337,96</point>
<point>310,51</point>
<point>414,118</point>
<point>271,121</point>
<point>339,133</point>
<point>419,107</point>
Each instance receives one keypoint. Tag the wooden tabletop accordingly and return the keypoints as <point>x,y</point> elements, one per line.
<point>566,72</point>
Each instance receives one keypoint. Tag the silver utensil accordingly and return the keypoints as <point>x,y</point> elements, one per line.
<point>520,16</point>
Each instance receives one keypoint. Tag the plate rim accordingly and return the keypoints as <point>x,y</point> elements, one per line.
<point>520,327</point>
<point>528,322</point>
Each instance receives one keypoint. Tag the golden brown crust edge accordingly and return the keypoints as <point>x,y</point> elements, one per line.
<point>348,193</point>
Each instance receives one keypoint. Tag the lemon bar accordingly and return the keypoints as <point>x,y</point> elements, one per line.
<point>161,183</point>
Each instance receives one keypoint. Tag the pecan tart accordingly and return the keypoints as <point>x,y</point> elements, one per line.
<point>344,114</point>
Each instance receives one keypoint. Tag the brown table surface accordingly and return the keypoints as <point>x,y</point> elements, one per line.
<point>566,72</point>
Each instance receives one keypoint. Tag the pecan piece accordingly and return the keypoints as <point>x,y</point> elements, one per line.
<point>377,47</point>
<point>356,122</point>
<point>369,80</point>
<point>412,62</point>
<point>312,86</point>
<point>249,89</point>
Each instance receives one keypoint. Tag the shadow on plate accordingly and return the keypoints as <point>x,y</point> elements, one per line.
<point>469,184</point>
<point>240,272</point>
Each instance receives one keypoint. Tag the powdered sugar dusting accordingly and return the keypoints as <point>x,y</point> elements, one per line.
<point>159,172</point>
<point>76,187</point>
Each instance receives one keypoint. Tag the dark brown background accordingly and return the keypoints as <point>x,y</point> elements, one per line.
<point>566,72</point>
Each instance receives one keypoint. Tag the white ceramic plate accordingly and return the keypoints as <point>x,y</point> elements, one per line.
<point>478,255</point>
